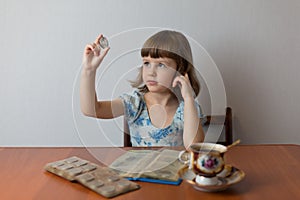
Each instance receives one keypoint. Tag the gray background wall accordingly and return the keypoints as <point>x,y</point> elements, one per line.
<point>255,44</point>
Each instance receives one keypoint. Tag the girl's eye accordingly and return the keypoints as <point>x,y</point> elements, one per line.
<point>161,65</point>
<point>146,64</point>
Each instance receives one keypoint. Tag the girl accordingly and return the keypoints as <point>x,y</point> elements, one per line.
<point>161,111</point>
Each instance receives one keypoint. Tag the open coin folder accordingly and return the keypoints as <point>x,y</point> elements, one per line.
<point>101,180</point>
<point>149,166</point>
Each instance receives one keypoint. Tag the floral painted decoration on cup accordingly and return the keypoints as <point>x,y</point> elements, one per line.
<point>210,164</point>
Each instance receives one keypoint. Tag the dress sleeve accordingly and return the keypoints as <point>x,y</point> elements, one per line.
<point>132,105</point>
<point>198,107</point>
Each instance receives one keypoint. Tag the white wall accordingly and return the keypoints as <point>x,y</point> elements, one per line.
<point>255,45</point>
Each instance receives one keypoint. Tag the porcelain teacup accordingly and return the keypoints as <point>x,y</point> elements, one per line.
<point>206,160</point>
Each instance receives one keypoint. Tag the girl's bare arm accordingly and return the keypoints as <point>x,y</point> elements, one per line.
<point>192,130</point>
<point>90,106</point>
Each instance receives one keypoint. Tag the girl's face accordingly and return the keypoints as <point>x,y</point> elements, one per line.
<point>159,73</point>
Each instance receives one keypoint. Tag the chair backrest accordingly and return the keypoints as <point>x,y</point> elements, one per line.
<point>127,142</point>
<point>226,121</point>
<point>210,120</point>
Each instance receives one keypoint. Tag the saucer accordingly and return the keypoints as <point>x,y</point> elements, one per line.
<point>235,176</point>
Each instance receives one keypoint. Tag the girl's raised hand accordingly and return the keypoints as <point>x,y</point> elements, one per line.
<point>185,86</point>
<point>93,54</point>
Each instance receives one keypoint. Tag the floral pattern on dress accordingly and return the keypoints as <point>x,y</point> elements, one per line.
<point>143,132</point>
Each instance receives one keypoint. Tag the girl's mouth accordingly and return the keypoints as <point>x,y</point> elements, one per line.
<point>151,82</point>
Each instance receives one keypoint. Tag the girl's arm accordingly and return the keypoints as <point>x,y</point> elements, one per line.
<point>89,104</point>
<point>192,130</point>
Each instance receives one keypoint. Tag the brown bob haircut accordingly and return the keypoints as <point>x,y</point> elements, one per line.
<point>173,45</point>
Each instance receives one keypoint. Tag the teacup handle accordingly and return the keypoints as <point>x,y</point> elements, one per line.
<point>189,161</point>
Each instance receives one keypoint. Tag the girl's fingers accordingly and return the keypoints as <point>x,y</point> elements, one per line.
<point>97,41</point>
<point>88,48</point>
<point>178,79</point>
<point>182,80</point>
<point>105,51</point>
<point>91,46</point>
<point>174,82</point>
<point>187,76</point>
<point>95,47</point>
<point>185,86</point>
<point>96,50</point>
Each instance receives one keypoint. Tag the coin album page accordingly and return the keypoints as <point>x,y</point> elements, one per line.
<point>160,165</point>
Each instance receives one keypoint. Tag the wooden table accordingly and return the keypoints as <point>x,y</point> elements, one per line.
<point>272,172</point>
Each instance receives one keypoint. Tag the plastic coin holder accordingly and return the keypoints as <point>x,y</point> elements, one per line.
<point>101,180</point>
<point>103,42</point>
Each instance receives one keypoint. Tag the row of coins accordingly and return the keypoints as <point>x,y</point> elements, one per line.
<point>71,167</point>
<point>102,180</point>
<point>106,182</point>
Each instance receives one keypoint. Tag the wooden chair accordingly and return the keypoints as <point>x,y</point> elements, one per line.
<point>210,120</point>
<point>226,121</point>
<point>127,142</point>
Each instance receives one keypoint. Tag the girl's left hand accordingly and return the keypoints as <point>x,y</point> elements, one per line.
<point>185,86</point>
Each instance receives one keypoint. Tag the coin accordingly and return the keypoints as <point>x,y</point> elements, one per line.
<point>103,42</point>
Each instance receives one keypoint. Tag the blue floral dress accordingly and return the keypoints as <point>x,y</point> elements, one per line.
<point>142,132</point>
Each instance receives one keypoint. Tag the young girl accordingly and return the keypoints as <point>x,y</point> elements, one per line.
<point>161,111</point>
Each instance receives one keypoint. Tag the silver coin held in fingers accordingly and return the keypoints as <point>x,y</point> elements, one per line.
<point>103,42</point>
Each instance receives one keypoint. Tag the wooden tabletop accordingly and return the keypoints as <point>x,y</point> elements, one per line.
<point>272,172</point>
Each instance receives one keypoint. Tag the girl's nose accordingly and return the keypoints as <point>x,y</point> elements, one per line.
<point>152,70</point>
